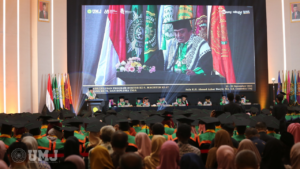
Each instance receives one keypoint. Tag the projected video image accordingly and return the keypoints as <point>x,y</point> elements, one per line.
<point>171,48</point>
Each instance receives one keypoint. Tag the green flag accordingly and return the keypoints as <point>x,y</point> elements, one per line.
<point>292,91</point>
<point>185,12</point>
<point>150,32</point>
<point>135,32</point>
<point>53,91</point>
<point>57,106</point>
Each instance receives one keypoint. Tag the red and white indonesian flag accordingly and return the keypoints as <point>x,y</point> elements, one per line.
<point>113,47</point>
<point>49,96</point>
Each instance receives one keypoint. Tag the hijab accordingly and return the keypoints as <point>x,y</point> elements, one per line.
<point>3,165</point>
<point>77,160</point>
<point>295,156</point>
<point>294,129</point>
<point>71,147</point>
<point>100,158</point>
<point>143,143</point>
<point>272,155</point>
<point>169,156</point>
<point>94,139</point>
<point>222,137</point>
<point>152,161</point>
<point>247,144</point>
<point>225,157</point>
<point>2,150</point>
<point>191,161</point>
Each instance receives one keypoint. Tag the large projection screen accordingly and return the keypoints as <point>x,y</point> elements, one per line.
<point>167,48</point>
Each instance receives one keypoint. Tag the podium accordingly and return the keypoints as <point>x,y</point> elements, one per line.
<point>95,105</point>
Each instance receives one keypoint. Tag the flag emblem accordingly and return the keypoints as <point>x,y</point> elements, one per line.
<point>135,34</point>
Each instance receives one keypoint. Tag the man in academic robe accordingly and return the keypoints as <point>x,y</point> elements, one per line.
<point>207,101</point>
<point>279,112</point>
<point>184,100</point>
<point>187,53</point>
<point>90,94</point>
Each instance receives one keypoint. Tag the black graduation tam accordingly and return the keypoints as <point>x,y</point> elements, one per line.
<point>75,121</point>
<point>179,24</point>
<point>121,97</point>
<point>19,124</point>
<point>160,97</point>
<point>57,128</point>
<point>271,122</point>
<point>154,119</point>
<point>146,98</point>
<point>69,128</point>
<point>7,122</point>
<point>95,126</point>
<point>90,88</point>
<point>208,120</point>
<point>291,109</point>
<point>139,98</point>
<point>184,96</point>
<point>282,93</point>
<point>185,120</point>
<point>54,114</point>
<point>218,113</point>
<point>33,125</point>
<point>240,121</point>
<point>207,97</point>
<point>88,120</point>
<point>265,111</point>
<point>224,95</point>
<point>111,120</point>
<point>225,118</point>
<point>255,120</point>
<point>126,99</point>
<point>53,121</point>
<point>45,117</point>
<point>242,96</point>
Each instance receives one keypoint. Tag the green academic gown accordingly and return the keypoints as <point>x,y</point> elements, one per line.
<point>239,138</point>
<point>274,134</point>
<point>207,137</point>
<point>43,142</point>
<point>137,128</point>
<point>169,130</point>
<point>58,144</point>
<point>7,139</point>
<point>44,130</point>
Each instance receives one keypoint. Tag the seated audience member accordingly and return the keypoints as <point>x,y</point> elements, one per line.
<point>94,140</point>
<point>131,161</point>
<point>229,128</point>
<point>6,132</point>
<point>241,128</point>
<point>119,144</point>
<point>232,107</point>
<point>99,158</point>
<point>32,145</point>
<point>3,165</point>
<point>191,161</point>
<point>247,144</point>
<point>143,143</point>
<point>251,133</point>
<point>77,160</point>
<point>169,156</point>
<point>71,147</point>
<point>106,134</point>
<point>159,129</point>
<point>225,157</point>
<point>22,162</point>
<point>294,129</point>
<point>124,126</point>
<point>222,138</point>
<point>261,128</point>
<point>295,156</point>
<point>288,141</point>
<point>246,159</point>
<point>152,161</point>
<point>2,150</point>
<point>272,155</point>
<point>183,134</point>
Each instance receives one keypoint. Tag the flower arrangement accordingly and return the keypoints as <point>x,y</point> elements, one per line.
<point>133,65</point>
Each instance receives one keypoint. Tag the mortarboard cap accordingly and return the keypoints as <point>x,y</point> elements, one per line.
<point>207,97</point>
<point>184,96</point>
<point>218,113</point>
<point>272,122</point>
<point>254,110</point>
<point>225,118</point>
<point>111,120</point>
<point>69,128</point>
<point>121,97</point>
<point>126,99</point>
<point>179,24</point>
<point>224,95</point>
<point>90,88</point>
<point>160,97</point>
<point>33,125</point>
<point>153,119</point>
<point>208,120</point>
<point>185,120</point>
<point>88,120</point>
<point>139,98</point>
<point>53,121</point>
<point>240,121</point>
<point>95,126</point>
<point>146,98</point>
<point>265,111</point>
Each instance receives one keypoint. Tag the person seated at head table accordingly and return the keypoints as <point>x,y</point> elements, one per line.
<point>161,101</point>
<point>127,104</point>
<point>224,100</point>
<point>207,101</point>
<point>184,100</point>
<point>121,101</point>
<point>146,102</point>
<point>139,102</point>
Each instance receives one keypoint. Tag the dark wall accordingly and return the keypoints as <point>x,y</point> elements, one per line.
<point>260,34</point>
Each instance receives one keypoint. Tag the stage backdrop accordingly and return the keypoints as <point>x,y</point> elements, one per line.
<point>90,28</point>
